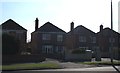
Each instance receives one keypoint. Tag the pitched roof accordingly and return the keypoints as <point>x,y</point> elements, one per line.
<point>49,27</point>
<point>11,25</point>
<point>81,29</point>
<point>107,31</point>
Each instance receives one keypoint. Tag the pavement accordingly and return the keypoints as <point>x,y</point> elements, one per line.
<point>110,68</point>
<point>71,67</point>
<point>72,70</point>
<point>68,64</point>
<point>74,65</point>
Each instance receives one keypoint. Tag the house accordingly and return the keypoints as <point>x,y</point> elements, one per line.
<point>80,38</point>
<point>12,28</point>
<point>48,40</point>
<point>108,38</point>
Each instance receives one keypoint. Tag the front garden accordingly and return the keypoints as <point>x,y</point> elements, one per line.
<point>30,66</point>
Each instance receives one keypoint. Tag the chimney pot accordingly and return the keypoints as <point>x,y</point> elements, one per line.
<point>101,27</point>
<point>36,24</point>
<point>72,26</point>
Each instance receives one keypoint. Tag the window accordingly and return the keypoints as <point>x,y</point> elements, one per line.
<point>110,49</point>
<point>12,33</point>
<point>47,49</point>
<point>111,40</point>
<point>59,49</point>
<point>82,39</point>
<point>43,49</point>
<point>46,37</point>
<point>84,48</point>
<point>93,39</point>
<point>59,38</point>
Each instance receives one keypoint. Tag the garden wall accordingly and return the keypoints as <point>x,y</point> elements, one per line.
<point>10,59</point>
<point>79,57</point>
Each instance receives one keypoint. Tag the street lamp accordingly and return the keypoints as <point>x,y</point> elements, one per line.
<point>111,54</point>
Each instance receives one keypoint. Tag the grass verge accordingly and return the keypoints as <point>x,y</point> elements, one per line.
<point>30,66</point>
<point>101,63</point>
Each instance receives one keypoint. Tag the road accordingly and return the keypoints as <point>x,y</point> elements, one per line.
<point>70,70</point>
<point>71,67</point>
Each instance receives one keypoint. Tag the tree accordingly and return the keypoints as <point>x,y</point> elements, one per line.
<point>10,45</point>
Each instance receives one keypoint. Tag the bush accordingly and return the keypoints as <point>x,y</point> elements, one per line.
<point>10,45</point>
<point>78,51</point>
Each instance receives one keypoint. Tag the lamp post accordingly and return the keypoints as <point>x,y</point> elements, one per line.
<point>111,54</point>
<point>111,49</point>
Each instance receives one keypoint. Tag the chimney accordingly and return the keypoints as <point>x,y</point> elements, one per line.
<point>72,26</point>
<point>36,24</point>
<point>101,27</point>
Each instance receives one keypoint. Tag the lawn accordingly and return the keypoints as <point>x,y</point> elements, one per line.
<point>31,66</point>
<point>101,63</point>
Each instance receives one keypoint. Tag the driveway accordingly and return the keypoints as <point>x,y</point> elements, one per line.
<point>74,65</point>
<point>68,64</point>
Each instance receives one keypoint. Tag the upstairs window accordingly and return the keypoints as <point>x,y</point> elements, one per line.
<point>111,40</point>
<point>12,33</point>
<point>46,37</point>
<point>59,38</point>
<point>82,39</point>
<point>93,39</point>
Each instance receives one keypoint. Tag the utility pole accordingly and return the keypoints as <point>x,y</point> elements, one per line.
<point>111,49</point>
<point>111,37</point>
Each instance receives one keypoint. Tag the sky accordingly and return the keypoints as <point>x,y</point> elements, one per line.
<point>89,13</point>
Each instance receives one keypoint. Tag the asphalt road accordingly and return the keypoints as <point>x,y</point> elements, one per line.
<point>72,70</point>
<point>70,67</point>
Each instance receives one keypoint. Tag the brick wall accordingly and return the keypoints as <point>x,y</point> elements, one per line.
<point>11,59</point>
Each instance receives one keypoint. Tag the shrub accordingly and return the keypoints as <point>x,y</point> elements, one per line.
<point>78,51</point>
<point>10,45</point>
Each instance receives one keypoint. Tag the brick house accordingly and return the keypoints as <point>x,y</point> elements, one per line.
<point>80,38</point>
<point>48,40</point>
<point>51,41</point>
<point>12,28</point>
<point>107,37</point>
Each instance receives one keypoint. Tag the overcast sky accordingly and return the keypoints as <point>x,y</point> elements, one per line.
<point>89,13</point>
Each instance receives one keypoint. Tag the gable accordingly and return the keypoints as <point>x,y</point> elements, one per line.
<point>81,30</point>
<point>11,25</point>
<point>49,27</point>
<point>107,32</point>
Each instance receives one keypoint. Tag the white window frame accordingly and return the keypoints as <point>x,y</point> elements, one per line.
<point>82,39</point>
<point>86,48</point>
<point>59,49</point>
<point>46,37</point>
<point>59,38</point>
<point>111,40</point>
<point>93,39</point>
<point>47,49</point>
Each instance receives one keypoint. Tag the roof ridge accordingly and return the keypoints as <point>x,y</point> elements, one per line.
<point>11,24</point>
<point>84,27</point>
<point>48,25</point>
